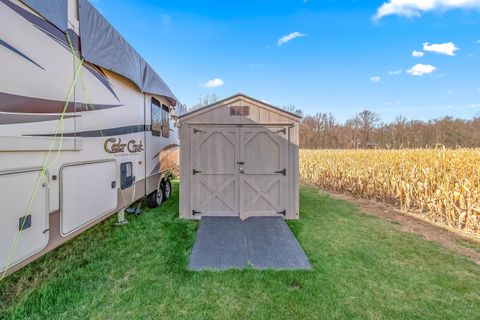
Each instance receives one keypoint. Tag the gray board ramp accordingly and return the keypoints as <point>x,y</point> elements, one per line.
<point>258,242</point>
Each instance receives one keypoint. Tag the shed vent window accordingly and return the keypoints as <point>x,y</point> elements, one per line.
<point>239,110</point>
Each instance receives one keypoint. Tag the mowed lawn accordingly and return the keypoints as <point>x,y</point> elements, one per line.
<point>363,268</point>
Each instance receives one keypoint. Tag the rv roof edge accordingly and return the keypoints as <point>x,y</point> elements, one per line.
<point>105,47</point>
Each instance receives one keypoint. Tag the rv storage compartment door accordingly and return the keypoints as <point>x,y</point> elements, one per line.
<point>88,192</point>
<point>16,190</point>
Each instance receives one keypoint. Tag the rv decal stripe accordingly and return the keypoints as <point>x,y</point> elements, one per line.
<point>101,77</point>
<point>59,36</point>
<point>100,133</point>
<point>168,157</point>
<point>93,69</point>
<point>35,20</point>
<point>18,52</point>
<point>156,169</point>
<point>15,118</point>
<point>167,147</point>
<point>21,104</point>
<point>62,39</point>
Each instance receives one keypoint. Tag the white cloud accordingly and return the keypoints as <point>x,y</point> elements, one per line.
<point>448,48</point>
<point>395,72</point>
<point>375,79</point>
<point>417,54</point>
<point>214,83</point>
<point>289,37</point>
<point>421,69</point>
<point>475,105</point>
<point>414,8</point>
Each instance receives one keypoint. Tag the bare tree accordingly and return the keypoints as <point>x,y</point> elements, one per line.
<point>319,131</point>
<point>398,128</point>
<point>205,101</point>
<point>352,129</point>
<point>292,109</point>
<point>367,121</point>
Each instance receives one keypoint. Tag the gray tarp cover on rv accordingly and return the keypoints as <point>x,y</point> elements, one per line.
<point>55,11</point>
<point>102,45</point>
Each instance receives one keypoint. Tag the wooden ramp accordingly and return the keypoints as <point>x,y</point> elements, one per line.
<point>259,242</point>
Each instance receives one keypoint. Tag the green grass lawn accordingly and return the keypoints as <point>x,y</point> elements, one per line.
<point>363,268</point>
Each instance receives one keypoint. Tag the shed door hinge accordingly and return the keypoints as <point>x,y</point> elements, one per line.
<point>283,213</point>
<point>195,212</point>
<point>196,171</point>
<point>284,172</point>
<point>195,130</point>
<point>284,131</point>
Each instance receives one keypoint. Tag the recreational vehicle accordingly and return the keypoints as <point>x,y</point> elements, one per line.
<point>86,126</point>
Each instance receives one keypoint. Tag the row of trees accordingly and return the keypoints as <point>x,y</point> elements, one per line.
<point>367,130</point>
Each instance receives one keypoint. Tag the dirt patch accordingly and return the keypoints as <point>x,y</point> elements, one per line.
<point>462,243</point>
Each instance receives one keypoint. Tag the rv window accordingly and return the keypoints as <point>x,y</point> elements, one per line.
<point>165,121</point>
<point>126,175</point>
<point>156,118</point>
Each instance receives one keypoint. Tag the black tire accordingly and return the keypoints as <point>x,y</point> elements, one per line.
<point>156,198</point>
<point>167,190</point>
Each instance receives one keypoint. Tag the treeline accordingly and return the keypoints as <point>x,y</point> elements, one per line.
<point>366,130</point>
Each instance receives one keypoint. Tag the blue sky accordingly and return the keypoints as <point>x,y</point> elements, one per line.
<point>348,55</point>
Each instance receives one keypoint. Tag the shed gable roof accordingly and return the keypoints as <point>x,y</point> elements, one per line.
<point>235,98</point>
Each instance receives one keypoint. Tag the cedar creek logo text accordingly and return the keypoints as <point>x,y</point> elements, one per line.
<point>115,145</point>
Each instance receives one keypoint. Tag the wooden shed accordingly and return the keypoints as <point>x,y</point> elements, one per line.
<point>239,157</point>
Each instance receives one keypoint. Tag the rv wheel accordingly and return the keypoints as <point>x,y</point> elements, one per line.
<point>155,199</point>
<point>167,189</point>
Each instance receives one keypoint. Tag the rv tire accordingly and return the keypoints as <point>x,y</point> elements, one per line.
<point>167,190</point>
<point>156,198</point>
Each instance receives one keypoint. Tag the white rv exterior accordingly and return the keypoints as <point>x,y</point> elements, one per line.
<point>108,152</point>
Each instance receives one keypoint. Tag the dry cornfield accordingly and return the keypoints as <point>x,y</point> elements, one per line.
<point>440,184</point>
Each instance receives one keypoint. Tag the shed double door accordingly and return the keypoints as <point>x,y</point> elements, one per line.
<point>239,170</point>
